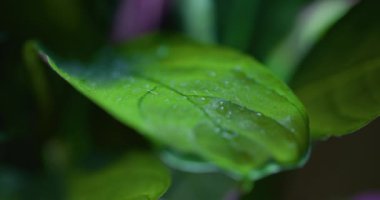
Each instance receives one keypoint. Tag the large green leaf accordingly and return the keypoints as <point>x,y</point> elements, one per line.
<point>138,176</point>
<point>339,81</point>
<point>197,99</point>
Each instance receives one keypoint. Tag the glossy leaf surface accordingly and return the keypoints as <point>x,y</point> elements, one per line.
<point>198,99</point>
<point>339,81</point>
<point>138,176</point>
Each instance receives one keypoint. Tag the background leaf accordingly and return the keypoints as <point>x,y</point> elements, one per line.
<point>201,186</point>
<point>198,19</point>
<point>339,80</point>
<point>236,20</point>
<point>311,24</point>
<point>197,99</point>
<point>255,25</point>
<point>274,20</point>
<point>138,176</point>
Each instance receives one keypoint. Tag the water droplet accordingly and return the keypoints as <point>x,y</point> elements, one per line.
<point>162,51</point>
<point>212,74</point>
<point>229,135</point>
<point>131,80</point>
<point>221,107</point>
<point>287,121</point>
<point>116,74</point>
<point>259,114</point>
<point>136,91</point>
<point>93,84</point>
<point>237,68</point>
<point>203,99</point>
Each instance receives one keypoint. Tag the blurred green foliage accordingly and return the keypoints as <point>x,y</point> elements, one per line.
<point>338,81</point>
<point>138,176</point>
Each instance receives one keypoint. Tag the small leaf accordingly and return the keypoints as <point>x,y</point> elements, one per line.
<point>138,176</point>
<point>197,99</point>
<point>200,186</point>
<point>339,80</point>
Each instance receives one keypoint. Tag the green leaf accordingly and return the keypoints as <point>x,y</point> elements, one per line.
<point>197,99</point>
<point>138,176</point>
<point>339,81</point>
<point>311,24</point>
<point>200,186</point>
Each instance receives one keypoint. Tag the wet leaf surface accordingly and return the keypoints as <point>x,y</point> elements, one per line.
<point>198,99</point>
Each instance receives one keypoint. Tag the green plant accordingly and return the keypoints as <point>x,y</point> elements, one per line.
<point>202,106</point>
